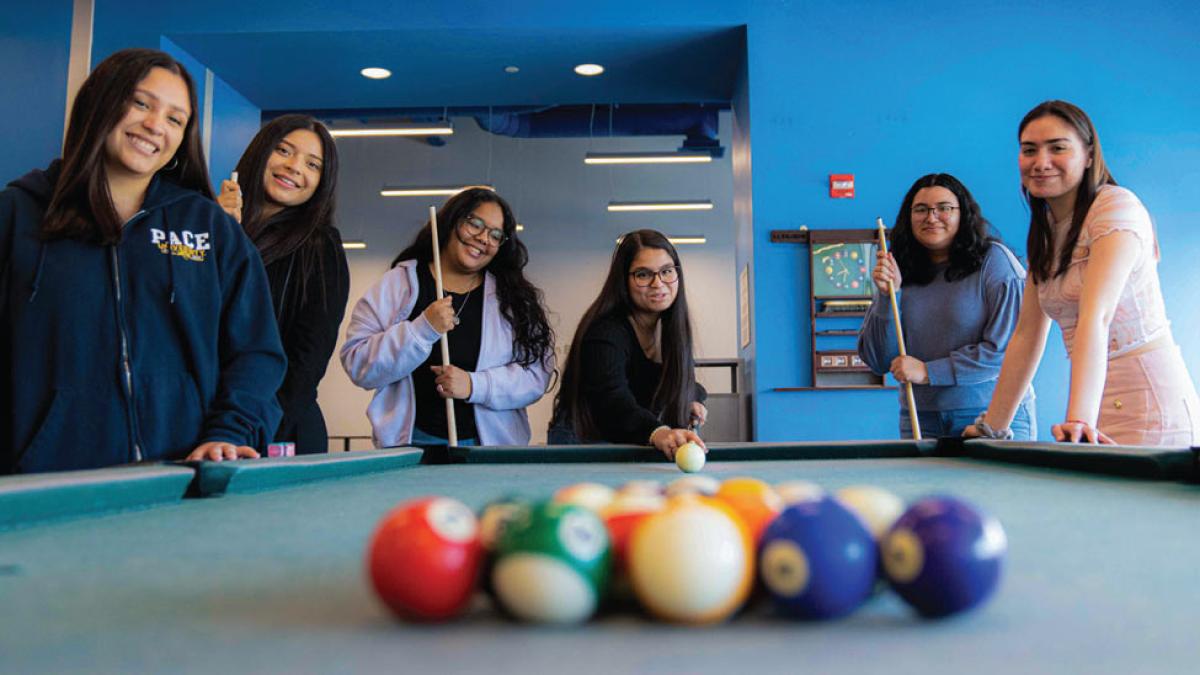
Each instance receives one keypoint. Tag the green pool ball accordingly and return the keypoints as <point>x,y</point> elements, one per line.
<point>552,564</point>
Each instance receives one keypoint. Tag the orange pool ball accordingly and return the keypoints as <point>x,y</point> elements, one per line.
<point>754,501</point>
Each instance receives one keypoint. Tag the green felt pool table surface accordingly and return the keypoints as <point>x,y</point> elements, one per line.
<point>260,567</point>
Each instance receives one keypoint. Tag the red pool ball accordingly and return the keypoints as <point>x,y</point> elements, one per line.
<point>424,558</point>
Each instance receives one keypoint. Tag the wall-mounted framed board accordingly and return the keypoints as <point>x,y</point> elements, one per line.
<point>840,292</point>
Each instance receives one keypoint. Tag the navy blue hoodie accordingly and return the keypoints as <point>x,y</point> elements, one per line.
<point>137,351</point>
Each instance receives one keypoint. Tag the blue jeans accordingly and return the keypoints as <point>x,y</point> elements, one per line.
<point>943,423</point>
<point>421,438</point>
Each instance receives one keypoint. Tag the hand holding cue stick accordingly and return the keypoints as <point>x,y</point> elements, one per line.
<point>908,390</point>
<point>437,277</point>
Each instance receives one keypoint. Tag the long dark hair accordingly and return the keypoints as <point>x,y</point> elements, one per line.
<point>298,228</point>
<point>970,244</point>
<point>81,206</point>
<point>520,301</point>
<point>674,394</point>
<point>1040,243</point>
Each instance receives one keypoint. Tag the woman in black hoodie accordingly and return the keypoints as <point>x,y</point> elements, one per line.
<point>284,199</point>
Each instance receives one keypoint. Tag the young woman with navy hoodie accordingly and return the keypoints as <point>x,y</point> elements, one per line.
<point>132,305</point>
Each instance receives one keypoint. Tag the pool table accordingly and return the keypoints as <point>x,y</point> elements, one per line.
<point>257,565</point>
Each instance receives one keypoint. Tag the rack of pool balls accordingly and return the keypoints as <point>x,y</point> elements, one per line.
<point>689,552</point>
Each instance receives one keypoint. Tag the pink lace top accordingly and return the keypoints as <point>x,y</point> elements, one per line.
<point>1140,315</point>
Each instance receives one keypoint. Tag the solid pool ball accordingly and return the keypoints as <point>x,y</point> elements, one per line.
<point>593,496</point>
<point>944,556</point>
<point>701,485</point>
<point>753,500</point>
<point>817,560</point>
<point>689,457</point>
<point>620,518</point>
<point>692,562</point>
<point>552,565</point>
<point>877,507</point>
<point>424,558</point>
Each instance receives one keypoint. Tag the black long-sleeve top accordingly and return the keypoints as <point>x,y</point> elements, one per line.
<point>618,382</point>
<point>309,316</point>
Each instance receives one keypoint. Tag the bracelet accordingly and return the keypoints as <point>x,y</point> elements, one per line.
<point>988,432</point>
<point>650,441</point>
<point>1077,422</point>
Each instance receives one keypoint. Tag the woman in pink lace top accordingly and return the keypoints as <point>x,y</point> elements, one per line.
<point>1093,268</point>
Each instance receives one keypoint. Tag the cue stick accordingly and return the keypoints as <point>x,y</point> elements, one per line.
<point>908,390</point>
<point>437,277</point>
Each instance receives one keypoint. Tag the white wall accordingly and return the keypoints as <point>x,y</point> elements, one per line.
<point>570,236</point>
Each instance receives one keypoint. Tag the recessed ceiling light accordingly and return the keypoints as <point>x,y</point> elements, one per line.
<point>354,245</point>
<point>701,205</point>
<point>511,69</point>
<point>520,227</point>
<point>647,157</point>
<point>589,69</point>
<point>427,191</point>
<point>700,239</point>
<point>376,73</point>
<point>428,129</point>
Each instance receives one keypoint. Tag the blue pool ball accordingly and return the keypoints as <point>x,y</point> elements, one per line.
<point>817,560</point>
<point>944,556</point>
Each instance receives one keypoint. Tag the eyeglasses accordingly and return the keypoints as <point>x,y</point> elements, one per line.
<point>474,225</point>
<point>921,212</point>
<point>645,277</point>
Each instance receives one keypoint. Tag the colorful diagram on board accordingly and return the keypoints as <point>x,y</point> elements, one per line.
<point>841,269</point>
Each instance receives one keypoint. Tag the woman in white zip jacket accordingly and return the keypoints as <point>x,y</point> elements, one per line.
<point>501,344</point>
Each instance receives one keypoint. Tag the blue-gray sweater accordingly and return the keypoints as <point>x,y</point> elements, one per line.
<point>960,329</point>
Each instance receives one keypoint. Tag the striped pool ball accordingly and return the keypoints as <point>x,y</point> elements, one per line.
<point>944,556</point>
<point>552,564</point>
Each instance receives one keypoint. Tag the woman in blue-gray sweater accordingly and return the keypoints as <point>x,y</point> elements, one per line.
<point>131,306</point>
<point>959,290</point>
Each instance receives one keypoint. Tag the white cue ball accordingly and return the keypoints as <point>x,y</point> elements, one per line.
<point>689,457</point>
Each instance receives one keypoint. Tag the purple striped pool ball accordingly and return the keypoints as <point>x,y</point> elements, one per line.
<point>944,556</point>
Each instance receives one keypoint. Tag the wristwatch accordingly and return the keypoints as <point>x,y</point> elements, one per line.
<point>988,432</point>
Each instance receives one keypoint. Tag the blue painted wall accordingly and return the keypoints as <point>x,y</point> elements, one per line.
<point>886,91</point>
<point>34,54</point>
<point>889,93</point>
<point>234,119</point>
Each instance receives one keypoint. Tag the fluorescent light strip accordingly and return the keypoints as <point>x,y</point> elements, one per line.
<point>430,191</point>
<point>437,130</point>
<point>520,227</point>
<point>704,205</point>
<point>647,158</point>
<point>354,245</point>
<point>681,240</point>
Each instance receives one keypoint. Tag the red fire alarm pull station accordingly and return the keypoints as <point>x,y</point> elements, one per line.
<point>841,185</point>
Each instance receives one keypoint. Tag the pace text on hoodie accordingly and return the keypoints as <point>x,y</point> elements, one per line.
<point>136,351</point>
